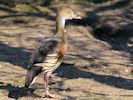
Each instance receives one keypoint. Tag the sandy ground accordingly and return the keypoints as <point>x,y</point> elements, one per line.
<point>97,66</point>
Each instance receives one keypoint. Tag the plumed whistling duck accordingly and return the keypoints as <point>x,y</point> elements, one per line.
<point>48,56</point>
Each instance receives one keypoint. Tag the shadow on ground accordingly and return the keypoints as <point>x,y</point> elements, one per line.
<point>71,72</point>
<point>14,55</point>
<point>17,92</point>
<point>115,29</point>
<point>14,13</point>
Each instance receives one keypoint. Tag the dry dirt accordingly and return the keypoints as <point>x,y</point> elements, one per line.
<point>97,66</point>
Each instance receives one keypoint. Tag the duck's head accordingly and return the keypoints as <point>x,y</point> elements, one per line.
<point>63,14</point>
<point>67,13</point>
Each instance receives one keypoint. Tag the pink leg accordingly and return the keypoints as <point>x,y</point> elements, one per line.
<point>46,80</point>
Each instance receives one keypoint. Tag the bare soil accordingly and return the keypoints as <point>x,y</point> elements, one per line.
<point>99,61</point>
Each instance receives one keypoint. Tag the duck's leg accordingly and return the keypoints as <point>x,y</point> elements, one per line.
<point>46,81</point>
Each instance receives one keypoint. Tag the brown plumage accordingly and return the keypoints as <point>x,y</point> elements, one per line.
<point>49,54</point>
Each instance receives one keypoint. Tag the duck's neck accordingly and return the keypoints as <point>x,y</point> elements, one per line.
<point>60,29</point>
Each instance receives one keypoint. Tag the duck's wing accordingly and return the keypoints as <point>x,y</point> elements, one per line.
<point>46,48</point>
<point>43,56</point>
<point>46,57</point>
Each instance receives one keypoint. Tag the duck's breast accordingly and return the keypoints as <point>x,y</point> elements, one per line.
<point>61,51</point>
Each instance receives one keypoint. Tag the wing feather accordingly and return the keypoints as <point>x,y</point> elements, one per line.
<point>46,49</point>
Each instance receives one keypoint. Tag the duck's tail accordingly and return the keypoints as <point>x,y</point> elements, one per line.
<point>31,75</point>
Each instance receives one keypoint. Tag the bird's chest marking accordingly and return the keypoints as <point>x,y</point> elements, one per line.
<point>61,50</point>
